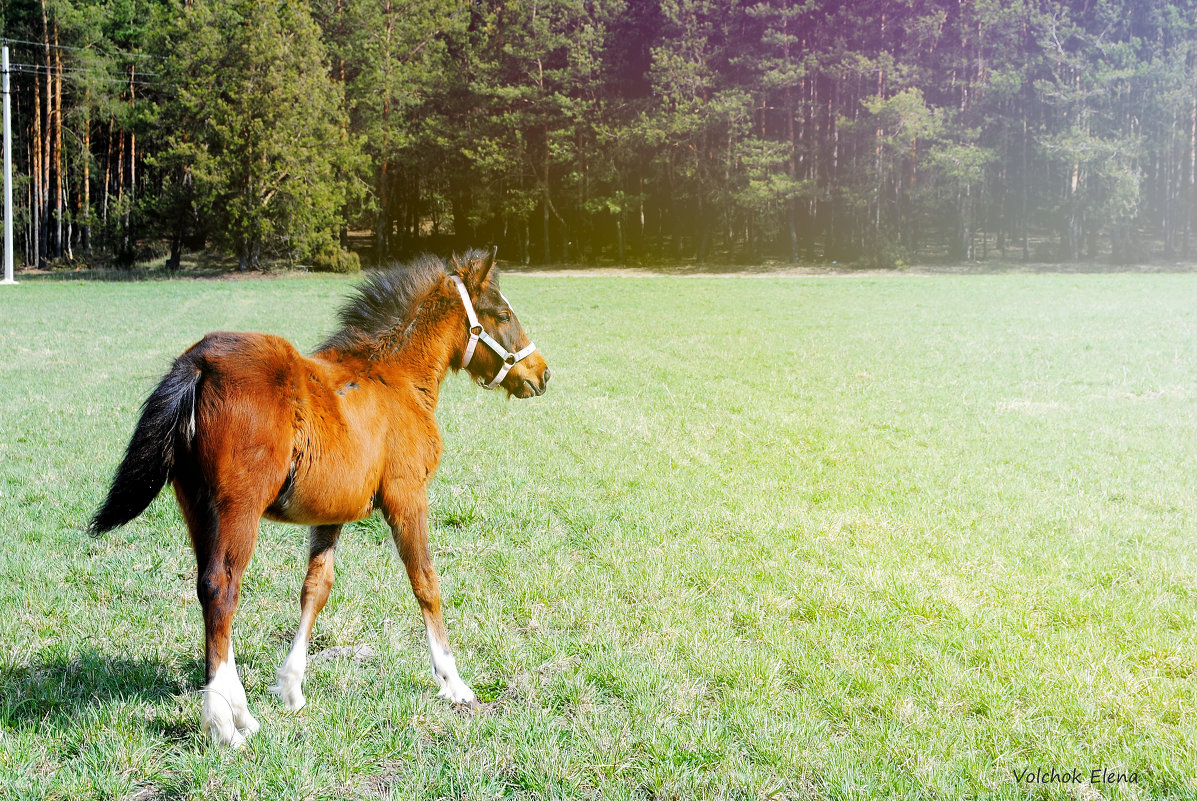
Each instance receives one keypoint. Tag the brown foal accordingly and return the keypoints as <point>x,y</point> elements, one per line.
<point>244,427</point>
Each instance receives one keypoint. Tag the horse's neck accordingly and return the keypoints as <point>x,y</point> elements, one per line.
<point>432,346</point>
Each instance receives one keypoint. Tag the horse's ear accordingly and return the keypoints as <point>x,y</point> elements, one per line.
<point>476,273</point>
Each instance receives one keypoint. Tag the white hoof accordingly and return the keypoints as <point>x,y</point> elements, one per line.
<point>216,721</point>
<point>225,715</point>
<point>458,692</point>
<point>238,740</point>
<point>288,679</point>
<point>247,724</point>
<point>290,691</point>
<point>444,670</point>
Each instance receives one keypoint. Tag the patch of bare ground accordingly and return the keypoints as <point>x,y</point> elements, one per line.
<point>833,269</point>
<point>208,265</point>
<point>1079,267</point>
<point>154,274</point>
<point>202,267</point>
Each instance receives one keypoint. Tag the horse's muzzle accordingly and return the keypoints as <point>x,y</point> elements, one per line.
<point>530,388</point>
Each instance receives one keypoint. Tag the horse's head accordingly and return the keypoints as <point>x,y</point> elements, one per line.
<point>495,351</point>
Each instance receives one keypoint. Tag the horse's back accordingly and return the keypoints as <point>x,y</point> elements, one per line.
<point>245,356</point>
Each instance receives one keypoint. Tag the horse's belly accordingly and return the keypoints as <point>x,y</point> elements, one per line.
<point>320,497</point>
<point>321,511</point>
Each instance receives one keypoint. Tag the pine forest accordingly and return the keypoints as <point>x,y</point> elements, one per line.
<point>877,133</point>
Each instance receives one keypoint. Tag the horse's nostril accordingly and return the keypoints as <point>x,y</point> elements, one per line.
<point>544,377</point>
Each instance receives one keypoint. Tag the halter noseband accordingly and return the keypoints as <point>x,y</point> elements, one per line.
<point>477,333</point>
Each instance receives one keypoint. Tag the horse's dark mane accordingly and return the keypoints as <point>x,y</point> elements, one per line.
<point>379,314</point>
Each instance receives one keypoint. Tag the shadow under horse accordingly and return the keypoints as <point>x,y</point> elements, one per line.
<point>244,426</point>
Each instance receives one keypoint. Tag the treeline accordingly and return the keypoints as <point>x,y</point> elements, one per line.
<point>605,130</point>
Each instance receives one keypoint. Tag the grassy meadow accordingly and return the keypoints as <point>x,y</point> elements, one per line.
<point>765,537</point>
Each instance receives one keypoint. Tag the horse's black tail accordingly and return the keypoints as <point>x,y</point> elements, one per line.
<point>167,420</point>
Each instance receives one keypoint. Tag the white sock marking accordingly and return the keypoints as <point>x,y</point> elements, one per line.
<point>225,714</point>
<point>444,670</point>
<point>289,678</point>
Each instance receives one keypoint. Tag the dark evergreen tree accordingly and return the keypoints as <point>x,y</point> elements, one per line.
<point>590,130</point>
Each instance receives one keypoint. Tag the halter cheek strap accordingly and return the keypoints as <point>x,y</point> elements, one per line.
<point>477,333</point>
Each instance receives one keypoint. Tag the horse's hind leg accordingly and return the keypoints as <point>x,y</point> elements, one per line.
<point>316,587</point>
<point>223,546</point>
<point>409,527</point>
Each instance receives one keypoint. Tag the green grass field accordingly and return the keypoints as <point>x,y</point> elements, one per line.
<point>764,538</point>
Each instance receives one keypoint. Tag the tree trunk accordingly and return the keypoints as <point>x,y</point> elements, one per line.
<point>107,173</point>
<point>547,255</point>
<point>30,232</point>
<point>35,211</point>
<point>382,233</point>
<point>1190,178</point>
<point>641,233</point>
<point>85,225</point>
<point>130,235</point>
<point>382,229</point>
<point>46,143</point>
<point>1024,214</point>
<point>175,260</point>
<point>58,177</point>
<point>120,190</point>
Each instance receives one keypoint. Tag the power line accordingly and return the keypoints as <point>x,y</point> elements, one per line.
<point>83,70</point>
<point>80,49</point>
<point>35,69</point>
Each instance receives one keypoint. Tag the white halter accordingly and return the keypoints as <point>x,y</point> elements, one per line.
<point>476,333</point>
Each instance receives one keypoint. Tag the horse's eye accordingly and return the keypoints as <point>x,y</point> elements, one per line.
<point>504,317</point>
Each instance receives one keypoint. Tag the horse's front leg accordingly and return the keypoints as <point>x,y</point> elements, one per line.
<point>409,527</point>
<point>319,581</point>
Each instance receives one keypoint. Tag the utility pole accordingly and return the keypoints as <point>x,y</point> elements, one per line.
<point>8,279</point>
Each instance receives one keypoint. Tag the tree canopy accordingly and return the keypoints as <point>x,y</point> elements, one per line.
<point>605,130</point>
